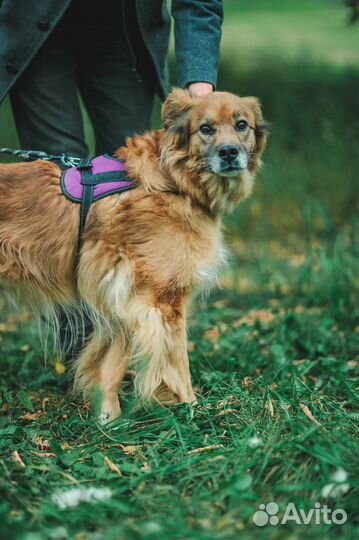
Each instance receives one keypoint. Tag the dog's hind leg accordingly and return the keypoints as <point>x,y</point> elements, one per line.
<point>101,367</point>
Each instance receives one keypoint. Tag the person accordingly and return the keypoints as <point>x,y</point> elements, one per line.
<point>113,54</point>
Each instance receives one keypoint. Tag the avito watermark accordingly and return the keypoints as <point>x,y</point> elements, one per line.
<point>268,515</point>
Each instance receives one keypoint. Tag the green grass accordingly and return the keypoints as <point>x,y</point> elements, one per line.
<point>285,341</point>
<point>280,335</point>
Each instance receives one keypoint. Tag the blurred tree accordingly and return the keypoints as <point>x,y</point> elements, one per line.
<point>353,5</point>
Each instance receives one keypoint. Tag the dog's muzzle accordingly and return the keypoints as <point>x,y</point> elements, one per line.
<point>229,160</point>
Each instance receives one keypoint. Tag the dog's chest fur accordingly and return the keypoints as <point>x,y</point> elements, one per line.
<point>168,241</point>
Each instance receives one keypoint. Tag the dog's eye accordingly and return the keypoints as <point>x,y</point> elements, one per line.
<point>241,125</point>
<point>206,129</point>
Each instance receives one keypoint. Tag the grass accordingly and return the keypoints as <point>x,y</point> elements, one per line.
<point>258,357</point>
<point>274,352</point>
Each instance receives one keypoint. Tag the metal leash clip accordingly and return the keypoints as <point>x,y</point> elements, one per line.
<point>31,155</point>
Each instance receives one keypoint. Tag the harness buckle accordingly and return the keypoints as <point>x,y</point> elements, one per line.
<point>85,164</point>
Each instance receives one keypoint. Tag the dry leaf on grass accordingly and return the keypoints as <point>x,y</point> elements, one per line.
<point>42,444</point>
<point>269,406</point>
<point>309,415</point>
<point>65,446</point>
<point>264,316</point>
<point>17,459</point>
<point>44,454</point>
<point>29,417</point>
<point>353,363</point>
<point>112,466</point>
<point>205,449</point>
<point>129,450</point>
<point>247,381</point>
<point>229,400</point>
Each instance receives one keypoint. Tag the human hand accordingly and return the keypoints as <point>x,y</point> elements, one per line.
<point>199,89</point>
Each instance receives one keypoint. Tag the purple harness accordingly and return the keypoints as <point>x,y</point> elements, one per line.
<point>92,180</point>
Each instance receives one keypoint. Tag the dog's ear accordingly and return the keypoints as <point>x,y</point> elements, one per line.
<point>260,131</point>
<point>175,113</point>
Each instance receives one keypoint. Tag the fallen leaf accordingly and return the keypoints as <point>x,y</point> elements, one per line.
<point>44,403</point>
<point>111,465</point>
<point>247,381</point>
<point>205,449</point>
<point>17,459</point>
<point>65,446</point>
<point>28,417</point>
<point>353,363</point>
<point>269,406</point>
<point>309,415</point>
<point>44,454</point>
<point>42,444</point>
<point>228,411</point>
<point>129,450</point>
<point>229,400</point>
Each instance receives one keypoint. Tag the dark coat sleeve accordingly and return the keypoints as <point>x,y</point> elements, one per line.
<point>197,39</point>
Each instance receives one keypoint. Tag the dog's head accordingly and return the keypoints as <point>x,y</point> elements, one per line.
<point>218,139</point>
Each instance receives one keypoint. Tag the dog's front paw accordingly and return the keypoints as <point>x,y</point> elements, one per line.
<point>104,418</point>
<point>110,410</point>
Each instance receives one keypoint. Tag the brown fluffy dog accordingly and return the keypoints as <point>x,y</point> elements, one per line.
<point>144,252</point>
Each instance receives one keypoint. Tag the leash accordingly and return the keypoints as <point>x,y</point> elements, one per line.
<point>32,155</point>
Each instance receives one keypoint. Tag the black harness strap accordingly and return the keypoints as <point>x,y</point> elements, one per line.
<point>87,180</point>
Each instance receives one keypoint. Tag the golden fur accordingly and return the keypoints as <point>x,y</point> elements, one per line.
<point>144,252</point>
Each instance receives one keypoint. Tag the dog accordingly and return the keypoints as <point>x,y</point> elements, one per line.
<point>144,252</point>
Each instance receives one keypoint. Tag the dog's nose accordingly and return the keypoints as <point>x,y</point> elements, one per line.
<point>228,153</point>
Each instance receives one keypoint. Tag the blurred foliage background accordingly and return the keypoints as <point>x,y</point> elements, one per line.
<point>300,59</point>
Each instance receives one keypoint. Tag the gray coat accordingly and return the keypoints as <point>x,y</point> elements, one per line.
<point>25,25</point>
